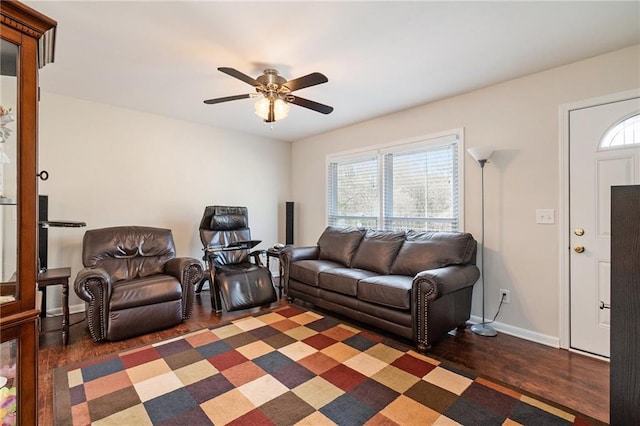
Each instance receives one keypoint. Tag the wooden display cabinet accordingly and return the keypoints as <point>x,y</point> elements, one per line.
<point>625,305</point>
<point>27,42</point>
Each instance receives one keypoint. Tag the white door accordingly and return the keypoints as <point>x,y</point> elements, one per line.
<point>597,161</point>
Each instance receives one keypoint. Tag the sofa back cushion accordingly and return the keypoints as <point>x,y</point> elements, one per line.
<point>339,244</point>
<point>431,250</point>
<point>128,252</point>
<point>377,250</point>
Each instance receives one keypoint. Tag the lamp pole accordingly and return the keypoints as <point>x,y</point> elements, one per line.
<point>482,329</point>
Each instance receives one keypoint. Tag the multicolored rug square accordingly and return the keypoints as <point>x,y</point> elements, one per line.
<point>289,366</point>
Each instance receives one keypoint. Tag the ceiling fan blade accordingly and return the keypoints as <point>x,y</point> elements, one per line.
<point>240,76</point>
<point>306,81</point>
<point>324,109</point>
<point>226,99</point>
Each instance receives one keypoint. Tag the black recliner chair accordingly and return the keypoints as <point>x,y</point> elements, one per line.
<point>226,237</point>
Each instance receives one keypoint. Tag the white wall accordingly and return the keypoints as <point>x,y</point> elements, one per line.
<point>520,119</point>
<point>110,166</point>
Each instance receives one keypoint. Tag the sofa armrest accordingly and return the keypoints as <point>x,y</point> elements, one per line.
<point>435,283</point>
<point>188,271</point>
<point>93,285</point>
<point>442,301</point>
<point>293,254</point>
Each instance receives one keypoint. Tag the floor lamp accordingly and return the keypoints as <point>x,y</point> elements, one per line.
<point>481,155</point>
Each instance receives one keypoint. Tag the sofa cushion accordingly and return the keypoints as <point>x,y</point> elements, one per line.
<point>339,244</point>
<point>144,291</point>
<point>387,290</point>
<point>430,250</point>
<point>307,271</point>
<point>343,280</point>
<point>128,252</point>
<point>377,250</point>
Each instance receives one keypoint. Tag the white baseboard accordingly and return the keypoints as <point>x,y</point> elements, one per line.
<point>521,333</point>
<point>72,310</point>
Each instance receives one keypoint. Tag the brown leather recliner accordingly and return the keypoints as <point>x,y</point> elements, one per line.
<point>133,283</point>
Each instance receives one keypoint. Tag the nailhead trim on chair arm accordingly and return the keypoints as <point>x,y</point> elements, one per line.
<point>93,286</point>
<point>427,292</point>
<point>193,274</point>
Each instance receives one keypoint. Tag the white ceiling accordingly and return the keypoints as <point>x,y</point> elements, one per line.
<point>379,57</point>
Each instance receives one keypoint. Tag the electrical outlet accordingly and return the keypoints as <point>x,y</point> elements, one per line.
<point>506,294</point>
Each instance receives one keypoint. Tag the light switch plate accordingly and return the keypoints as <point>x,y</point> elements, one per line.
<point>545,216</point>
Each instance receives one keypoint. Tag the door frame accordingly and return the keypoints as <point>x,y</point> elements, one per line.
<point>563,214</point>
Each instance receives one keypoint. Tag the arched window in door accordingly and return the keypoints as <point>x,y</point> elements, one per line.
<point>625,133</point>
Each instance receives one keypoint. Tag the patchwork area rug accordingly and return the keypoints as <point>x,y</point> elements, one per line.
<point>286,367</point>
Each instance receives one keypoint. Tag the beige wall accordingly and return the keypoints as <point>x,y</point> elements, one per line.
<point>520,119</point>
<point>110,166</point>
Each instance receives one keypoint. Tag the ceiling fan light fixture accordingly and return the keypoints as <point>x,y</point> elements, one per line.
<point>280,109</point>
<point>275,93</point>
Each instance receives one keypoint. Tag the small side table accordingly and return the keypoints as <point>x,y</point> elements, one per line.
<point>275,253</point>
<point>57,276</point>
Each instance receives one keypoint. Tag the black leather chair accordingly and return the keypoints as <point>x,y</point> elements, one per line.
<point>133,283</point>
<point>226,237</point>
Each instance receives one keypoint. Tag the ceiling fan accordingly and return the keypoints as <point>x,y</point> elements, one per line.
<point>275,93</point>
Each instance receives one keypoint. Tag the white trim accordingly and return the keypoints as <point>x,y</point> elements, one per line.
<point>75,309</point>
<point>352,155</point>
<point>590,355</point>
<point>563,214</point>
<point>461,179</point>
<point>521,333</point>
<point>418,144</point>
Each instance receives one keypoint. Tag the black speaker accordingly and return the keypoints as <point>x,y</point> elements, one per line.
<point>289,222</point>
<point>43,234</point>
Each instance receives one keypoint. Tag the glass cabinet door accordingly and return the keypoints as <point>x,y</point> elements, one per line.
<point>9,60</point>
<point>9,382</point>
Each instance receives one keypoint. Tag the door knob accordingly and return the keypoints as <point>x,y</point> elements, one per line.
<point>579,232</point>
<point>578,249</point>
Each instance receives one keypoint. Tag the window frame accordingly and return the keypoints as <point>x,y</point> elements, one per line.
<point>380,150</point>
<point>636,123</point>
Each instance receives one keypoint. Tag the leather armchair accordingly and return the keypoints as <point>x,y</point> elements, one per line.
<point>133,283</point>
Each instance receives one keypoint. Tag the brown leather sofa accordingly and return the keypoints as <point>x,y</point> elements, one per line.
<point>415,285</point>
<point>133,283</point>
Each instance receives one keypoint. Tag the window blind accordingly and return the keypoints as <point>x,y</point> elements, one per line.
<point>421,189</point>
<point>353,195</point>
<point>397,188</point>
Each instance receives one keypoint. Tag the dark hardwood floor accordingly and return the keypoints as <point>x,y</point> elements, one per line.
<point>578,382</point>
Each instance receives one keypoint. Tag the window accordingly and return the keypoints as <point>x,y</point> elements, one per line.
<point>409,186</point>
<point>624,133</point>
<point>354,198</point>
